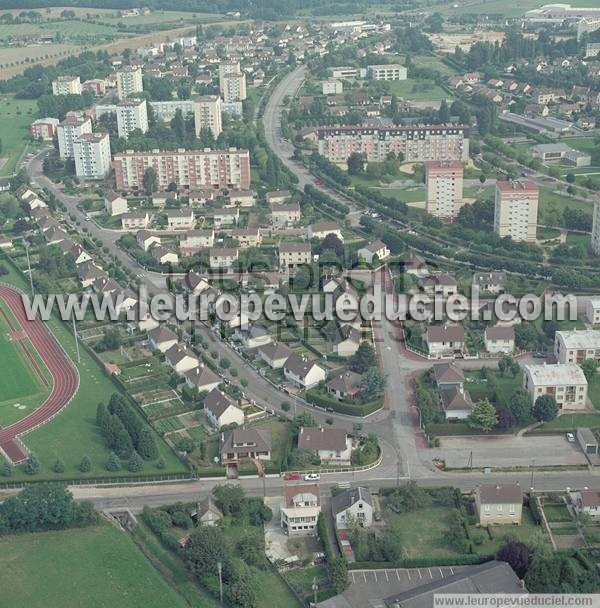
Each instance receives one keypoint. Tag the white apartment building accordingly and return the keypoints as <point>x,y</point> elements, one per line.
<point>516,209</point>
<point>68,131</point>
<point>166,110</point>
<point>226,68</point>
<point>444,188</point>
<point>392,71</point>
<point>207,114</point>
<point>92,155</point>
<point>596,227</point>
<point>577,345</point>
<point>129,80</point>
<point>593,310</point>
<point>132,114</point>
<point>66,85</point>
<point>234,87</point>
<point>564,381</point>
<point>189,169</point>
<point>332,86</point>
<point>416,143</point>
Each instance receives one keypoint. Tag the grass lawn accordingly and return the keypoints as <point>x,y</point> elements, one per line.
<point>503,386</point>
<point>571,422</point>
<point>73,433</point>
<point>547,234</point>
<point>281,436</point>
<point>433,62</point>
<point>424,531</point>
<point>15,117</point>
<point>574,238</point>
<point>97,566</point>
<point>584,144</point>
<point>418,90</point>
<point>560,202</point>
<point>557,512</point>
<point>500,7</point>
<point>594,391</point>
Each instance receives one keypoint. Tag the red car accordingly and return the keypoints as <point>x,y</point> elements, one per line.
<point>291,476</point>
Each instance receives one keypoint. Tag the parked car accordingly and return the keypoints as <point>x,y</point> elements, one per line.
<point>291,476</point>
<point>570,438</point>
<point>312,477</point>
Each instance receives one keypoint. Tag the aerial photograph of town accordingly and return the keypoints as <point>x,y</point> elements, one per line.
<point>299,303</point>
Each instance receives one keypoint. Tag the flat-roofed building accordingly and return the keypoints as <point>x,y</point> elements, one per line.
<point>577,345</point>
<point>565,382</point>
<point>132,114</point>
<point>208,114</point>
<point>516,210</point>
<point>66,85</point>
<point>129,80</point>
<point>92,155</point>
<point>387,71</point>
<point>444,188</point>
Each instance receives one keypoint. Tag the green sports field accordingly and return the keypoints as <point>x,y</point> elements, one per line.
<point>22,390</point>
<point>97,566</point>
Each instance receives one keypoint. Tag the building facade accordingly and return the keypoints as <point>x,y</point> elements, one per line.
<point>129,80</point>
<point>417,143</point>
<point>596,227</point>
<point>391,71</point>
<point>66,85</point>
<point>444,188</point>
<point>44,128</point>
<point>132,114</point>
<point>166,110</point>
<point>234,87</point>
<point>189,169</point>
<point>69,131</point>
<point>92,155</point>
<point>565,382</point>
<point>207,114</point>
<point>516,209</point>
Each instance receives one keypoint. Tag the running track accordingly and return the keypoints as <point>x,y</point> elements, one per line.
<point>65,379</point>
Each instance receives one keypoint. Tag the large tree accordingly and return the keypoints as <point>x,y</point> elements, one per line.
<point>520,405</point>
<point>517,554</point>
<point>230,498</point>
<point>364,358</point>
<point>483,416</point>
<point>545,408</point>
<point>206,546</point>
<point>150,180</point>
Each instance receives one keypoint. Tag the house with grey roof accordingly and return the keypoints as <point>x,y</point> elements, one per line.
<point>499,504</point>
<point>499,339</point>
<point>445,340</point>
<point>302,372</point>
<point>202,379</point>
<point>274,354</point>
<point>207,512</point>
<point>345,385</point>
<point>245,444</point>
<point>353,505</point>
<point>162,338</point>
<point>332,445</point>
<point>220,411</point>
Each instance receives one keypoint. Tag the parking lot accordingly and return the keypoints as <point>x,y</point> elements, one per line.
<point>368,588</point>
<point>505,452</point>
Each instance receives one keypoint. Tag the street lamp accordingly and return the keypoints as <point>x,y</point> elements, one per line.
<point>220,569</point>
<point>315,588</point>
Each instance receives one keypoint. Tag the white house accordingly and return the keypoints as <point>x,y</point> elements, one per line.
<point>499,504</point>
<point>220,411</point>
<point>202,378</point>
<point>445,339</point>
<point>225,217</point>
<point>322,229</point>
<point>241,198</point>
<point>135,221</point>
<point>163,255</point>
<point>274,354</point>
<point>115,204</point>
<point>180,219</point>
<point>146,239</point>
<point>278,196</point>
<point>180,359</point>
<point>222,257</point>
<point>331,444</point>
<point>457,403</point>
<point>499,339</point>
<point>346,341</point>
<point>302,372</point>
<point>588,502</point>
<point>593,310</point>
<point>162,338</point>
<point>352,506</point>
<point>376,248</point>
<point>300,509</point>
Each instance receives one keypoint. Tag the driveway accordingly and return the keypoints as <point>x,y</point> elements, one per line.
<point>499,451</point>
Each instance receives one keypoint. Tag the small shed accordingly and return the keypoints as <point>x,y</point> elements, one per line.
<point>587,440</point>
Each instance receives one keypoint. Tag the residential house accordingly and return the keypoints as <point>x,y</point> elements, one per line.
<point>180,359</point>
<point>194,241</point>
<point>490,282</point>
<point>161,199</point>
<point>444,285</point>
<point>225,217</point>
<point>565,382</point>
<point>222,257</point>
<point>146,240</point>
<point>377,249</point>
<point>499,339</point>
<point>253,336</point>
<point>279,196</point>
<point>302,372</point>
<point>220,411</point>
<point>163,255</point>
<point>448,375</point>
<point>457,403</point>
<point>199,198</point>
<point>285,216</point>
<point>346,341</point>
<point>88,273</point>
<point>445,340</point>
<point>245,444</point>
<point>499,504</point>
<point>352,506</point>
<point>274,354</point>
<point>202,378</point>
<point>301,509</point>
<point>241,198</point>
<point>345,385</point>
<point>576,346</point>
<point>207,512</point>
<point>180,219</point>
<point>292,255</point>
<point>593,310</point>
<point>332,445</point>
<point>247,237</point>
<point>588,502</point>
<point>115,204</point>
<point>197,283</point>
<point>162,338</point>
<point>135,221</point>
<point>321,230</point>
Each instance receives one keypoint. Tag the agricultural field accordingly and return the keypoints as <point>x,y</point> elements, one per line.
<point>15,118</point>
<point>500,7</point>
<point>73,433</point>
<point>104,566</point>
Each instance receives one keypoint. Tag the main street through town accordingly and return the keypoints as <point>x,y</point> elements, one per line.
<point>405,454</point>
